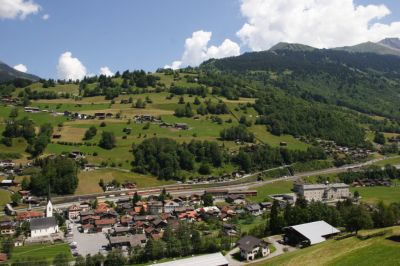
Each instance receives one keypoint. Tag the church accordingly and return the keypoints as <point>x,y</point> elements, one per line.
<point>44,226</point>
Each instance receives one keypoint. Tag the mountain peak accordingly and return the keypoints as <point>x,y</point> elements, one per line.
<point>393,43</point>
<point>291,46</point>
<point>8,73</point>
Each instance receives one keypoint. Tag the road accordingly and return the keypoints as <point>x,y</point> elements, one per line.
<point>187,189</point>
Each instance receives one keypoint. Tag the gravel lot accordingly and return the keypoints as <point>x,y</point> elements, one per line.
<point>88,243</point>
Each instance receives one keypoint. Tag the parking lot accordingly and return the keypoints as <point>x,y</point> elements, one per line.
<point>88,243</point>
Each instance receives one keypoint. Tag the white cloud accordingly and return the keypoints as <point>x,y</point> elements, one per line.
<point>197,50</point>
<point>106,71</point>
<point>45,16</point>
<point>320,23</point>
<point>11,9</point>
<point>21,68</point>
<point>70,67</point>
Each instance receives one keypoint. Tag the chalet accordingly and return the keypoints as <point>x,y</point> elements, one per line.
<point>74,212</point>
<point>27,215</point>
<point>100,116</point>
<point>7,228</point>
<point>235,198</point>
<point>182,126</point>
<point>155,207</point>
<point>169,206</point>
<point>250,247</point>
<point>6,163</point>
<point>31,109</point>
<point>8,183</point>
<point>103,225</point>
<point>76,155</point>
<point>126,220</point>
<point>56,136</point>
<point>117,231</point>
<point>254,209</point>
<point>229,229</point>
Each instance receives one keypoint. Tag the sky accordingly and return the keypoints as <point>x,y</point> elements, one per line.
<point>73,38</point>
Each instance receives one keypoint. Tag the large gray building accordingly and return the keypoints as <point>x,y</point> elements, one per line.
<point>322,192</point>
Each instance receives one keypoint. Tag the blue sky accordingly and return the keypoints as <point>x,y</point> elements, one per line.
<point>126,34</point>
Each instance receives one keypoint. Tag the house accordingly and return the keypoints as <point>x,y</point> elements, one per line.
<point>254,209</point>
<point>128,241</point>
<point>100,116</point>
<point>236,199</point>
<point>155,207</point>
<point>73,212</point>
<point>252,247</point>
<point>6,163</point>
<point>3,257</point>
<point>308,233</point>
<point>170,206</point>
<point>44,226</point>
<point>76,155</point>
<point>104,225</point>
<point>215,259</point>
<point>7,228</point>
<point>283,199</point>
<point>182,126</point>
<point>229,229</point>
<point>117,231</point>
<point>28,215</point>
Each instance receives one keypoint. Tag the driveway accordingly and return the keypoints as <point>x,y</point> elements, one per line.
<point>88,243</point>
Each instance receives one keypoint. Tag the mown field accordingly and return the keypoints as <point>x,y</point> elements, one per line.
<point>347,252</point>
<point>72,131</point>
<point>89,181</point>
<point>277,187</point>
<point>40,251</point>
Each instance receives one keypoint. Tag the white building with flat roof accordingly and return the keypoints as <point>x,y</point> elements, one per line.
<point>309,233</point>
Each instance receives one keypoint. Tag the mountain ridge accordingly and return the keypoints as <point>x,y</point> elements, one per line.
<point>7,73</point>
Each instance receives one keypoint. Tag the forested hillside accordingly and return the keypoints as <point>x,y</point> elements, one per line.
<point>318,93</point>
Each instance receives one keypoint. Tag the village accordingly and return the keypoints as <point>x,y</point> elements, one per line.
<point>126,223</point>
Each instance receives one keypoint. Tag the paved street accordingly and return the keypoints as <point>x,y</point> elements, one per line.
<point>88,243</point>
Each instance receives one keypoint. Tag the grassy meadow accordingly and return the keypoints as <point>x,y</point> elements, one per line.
<point>346,252</point>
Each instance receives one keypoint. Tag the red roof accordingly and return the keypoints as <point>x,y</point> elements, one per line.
<point>3,257</point>
<point>29,214</point>
<point>105,221</point>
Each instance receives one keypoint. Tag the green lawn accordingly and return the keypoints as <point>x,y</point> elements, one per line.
<point>376,194</point>
<point>272,188</point>
<point>89,181</point>
<point>265,136</point>
<point>4,197</point>
<point>38,251</point>
<point>392,161</point>
<point>350,251</point>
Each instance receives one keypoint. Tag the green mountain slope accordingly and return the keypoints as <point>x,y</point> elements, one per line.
<point>291,46</point>
<point>8,73</point>
<point>371,47</point>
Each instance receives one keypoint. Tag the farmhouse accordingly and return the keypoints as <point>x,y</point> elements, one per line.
<point>251,246</point>
<point>309,233</point>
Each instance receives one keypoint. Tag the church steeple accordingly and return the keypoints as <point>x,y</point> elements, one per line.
<point>49,207</point>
